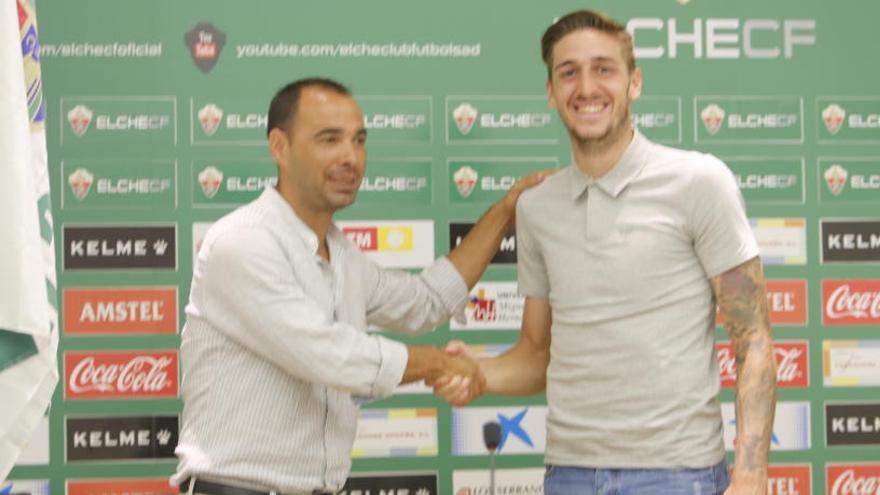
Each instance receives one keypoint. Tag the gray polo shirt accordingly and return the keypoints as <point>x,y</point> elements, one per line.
<point>625,261</point>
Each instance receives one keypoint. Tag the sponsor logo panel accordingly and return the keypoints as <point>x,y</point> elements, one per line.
<point>769,180</point>
<point>121,486</point>
<point>224,184</point>
<point>120,310</point>
<point>393,243</point>
<point>108,247</point>
<point>121,374</point>
<point>228,121</point>
<point>851,363</point>
<point>791,426</point>
<point>658,118</point>
<point>398,119</point>
<point>124,184</point>
<point>397,182</point>
<point>523,429</point>
<point>25,487</point>
<point>36,452</point>
<point>852,478</point>
<point>748,119</point>
<point>782,241</point>
<point>524,481</point>
<point>852,424</point>
<point>789,479</point>
<point>390,484</point>
<point>787,302</point>
<point>849,180</point>
<point>485,180</point>
<point>492,306</point>
<point>850,241</point>
<point>500,120</point>
<point>506,254</point>
<point>792,364</point>
<point>115,121</point>
<point>205,42</point>
<point>115,438</point>
<point>847,119</point>
<point>396,433</point>
<point>850,302</point>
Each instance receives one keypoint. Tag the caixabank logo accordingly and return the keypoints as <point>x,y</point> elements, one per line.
<point>850,240</point>
<point>205,43</point>
<point>119,438</point>
<point>393,243</point>
<point>500,120</point>
<point>849,180</point>
<point>400,119</point>
<point>848,119</point>
<point>224,183</point>
<point>506,254</point>
<point>25,487</point>
<point>116,247</point>
<point>228,121</point>
<point>485,180</point>
<point>791,426</point>
<point>119,185</point>
<point>523,429</point>
<point>853,424</point>
<point>118,120</point>
<point>397,182</point>
<point>119,310</point>
<point>769,180</point>
<point>121,374</point>
<point>748,119</point>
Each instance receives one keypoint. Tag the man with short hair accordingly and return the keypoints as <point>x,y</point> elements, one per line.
<point>275,353</point>
<point>622,258</point>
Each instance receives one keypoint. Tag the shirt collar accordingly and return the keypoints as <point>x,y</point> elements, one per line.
<point>621,174</point>
<point>303,232</point>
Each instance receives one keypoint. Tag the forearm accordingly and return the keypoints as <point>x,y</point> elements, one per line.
<point>755,406</point>
<point>477,248</point>
<point>520,371</point>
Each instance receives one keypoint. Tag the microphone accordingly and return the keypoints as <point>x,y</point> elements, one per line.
<point>491,437</point>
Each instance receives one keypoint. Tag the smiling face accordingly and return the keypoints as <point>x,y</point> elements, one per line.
<point>592,88</point>
<point>322,154</point>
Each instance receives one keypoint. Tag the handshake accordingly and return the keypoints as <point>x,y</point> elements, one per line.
<point>462,379</point>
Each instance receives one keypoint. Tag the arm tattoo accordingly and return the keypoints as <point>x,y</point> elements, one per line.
<point>742,300</point>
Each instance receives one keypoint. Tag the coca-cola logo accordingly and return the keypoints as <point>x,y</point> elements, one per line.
<point>791,364</point>
<point>848,482</point>
<point>126,374</point>
<point>851,301</point>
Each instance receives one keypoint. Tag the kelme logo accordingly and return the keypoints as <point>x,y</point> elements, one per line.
<point>465,179</point>
<point>210,179</point>
<point>833,116</point>
<point>209,118</point>
<point>836,177</point>
<point>465,116</point>
<point>713,117</point>
<point>205,43</point>
<point>79,118</point>
<point>81,181</point>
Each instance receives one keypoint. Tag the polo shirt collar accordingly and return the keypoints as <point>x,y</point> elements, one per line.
<point>295,224</point>
<point>621,174</point>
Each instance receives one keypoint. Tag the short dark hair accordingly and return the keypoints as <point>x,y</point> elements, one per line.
<point>585,19</point>
<point>284,104</point>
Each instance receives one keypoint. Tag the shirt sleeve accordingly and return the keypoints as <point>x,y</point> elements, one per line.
<point>249,295</point>
<point>414,303</point>
<point>723,238</point>
<point>530,267</point>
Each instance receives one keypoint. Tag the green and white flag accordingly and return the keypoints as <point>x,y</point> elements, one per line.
<point>28,294</point>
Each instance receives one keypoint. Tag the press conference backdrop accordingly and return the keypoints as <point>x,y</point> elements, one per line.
<point>156,124</point>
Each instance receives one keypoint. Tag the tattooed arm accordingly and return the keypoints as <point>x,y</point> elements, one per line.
<point>742,298</point>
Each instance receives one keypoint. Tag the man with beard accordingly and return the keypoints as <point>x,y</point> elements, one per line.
<point>622,258</point>
<point>275,353</point>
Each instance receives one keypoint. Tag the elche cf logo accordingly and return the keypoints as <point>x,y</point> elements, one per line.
<point>79,118</point>
<point>833,117</point>
<point>465,179</point>
<point>205,43</point>
<point>464,115</point>
<point>80,181</point>
<point>209,118</point>
<point>835,178</point>
<point>210,179</point>
<point>713,117</point>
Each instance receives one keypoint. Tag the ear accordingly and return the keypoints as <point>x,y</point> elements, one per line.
<point>635,84</point>
<point>551,102</point>
<point>279,145</point>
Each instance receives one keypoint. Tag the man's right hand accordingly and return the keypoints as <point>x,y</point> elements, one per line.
<point>459,390</point>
